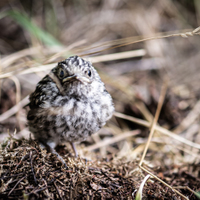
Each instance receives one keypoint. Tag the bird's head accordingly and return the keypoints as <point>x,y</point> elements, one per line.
<point>76,74</point>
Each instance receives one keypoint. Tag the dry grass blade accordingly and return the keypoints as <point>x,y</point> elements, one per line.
<point>187,188</point>
<point>14,109</point>
<point>18,89</point>
<point>18,96</point>
<point>192,153</point>
<point>160,103</point>
<point>8,60</point>
<point>132,69</point>
<point>112,140</point>
<point>158,128</point>
<point>46,67</point>
<point>164,182</point>
<point>94,59</point>
<point>190,118</point>
<point>129,94</point>
<point>65,51</point>
<point>118,56</point>
<point>129,41</point>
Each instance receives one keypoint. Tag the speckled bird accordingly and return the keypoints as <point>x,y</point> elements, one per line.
<point>69,104</point>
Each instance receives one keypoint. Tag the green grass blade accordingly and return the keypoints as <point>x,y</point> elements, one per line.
<point>31,27</point>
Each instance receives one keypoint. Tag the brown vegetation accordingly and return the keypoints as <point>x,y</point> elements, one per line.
<point>138,47</point>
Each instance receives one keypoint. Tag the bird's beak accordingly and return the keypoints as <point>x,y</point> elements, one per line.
<point>69,78</point>
<point>80,78</point>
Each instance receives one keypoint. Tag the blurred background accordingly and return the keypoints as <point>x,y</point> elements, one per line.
<point>36,34</point>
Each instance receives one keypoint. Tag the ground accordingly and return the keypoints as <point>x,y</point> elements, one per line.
<point>29,172</point>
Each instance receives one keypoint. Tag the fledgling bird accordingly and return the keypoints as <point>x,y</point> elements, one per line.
<point>69,104</point>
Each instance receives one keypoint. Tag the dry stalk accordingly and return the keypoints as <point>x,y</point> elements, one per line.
<point>14,109</point>
<point>117,56</point>
<point>124,42</point>
<point>187,188</point>
<point>189,119</point>
<point>158,128</point>
<point>163,182</point>
<point>160,103</point>
<point>65,51</point>
<point>18,98</point>
<point>112,140</point>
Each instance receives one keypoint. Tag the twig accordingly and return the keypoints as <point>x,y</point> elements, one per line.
<point>7,177</point>
<point>21,161</point>
<point>39,190</point>
<point>31,159</point>
<point>16,185</point>
<point>57,190</point>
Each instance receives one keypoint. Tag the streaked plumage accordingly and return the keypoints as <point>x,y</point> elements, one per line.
<point>69,104</point>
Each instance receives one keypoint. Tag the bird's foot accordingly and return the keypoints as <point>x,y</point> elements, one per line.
<point>53,151</point>
<point>50,147</point>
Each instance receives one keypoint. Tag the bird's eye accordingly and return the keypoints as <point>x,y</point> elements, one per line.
<point>89,73</point>
<point>61,74</point>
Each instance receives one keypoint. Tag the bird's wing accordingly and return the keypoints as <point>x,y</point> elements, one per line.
<point>43,93</point>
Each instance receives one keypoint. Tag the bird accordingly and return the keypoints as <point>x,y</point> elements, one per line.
<point>68,105</point>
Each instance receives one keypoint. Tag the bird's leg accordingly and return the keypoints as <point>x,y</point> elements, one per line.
<point>51,147</point>
<point>76,152</point>
<point>74,149</point>
<point>53,151</point>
